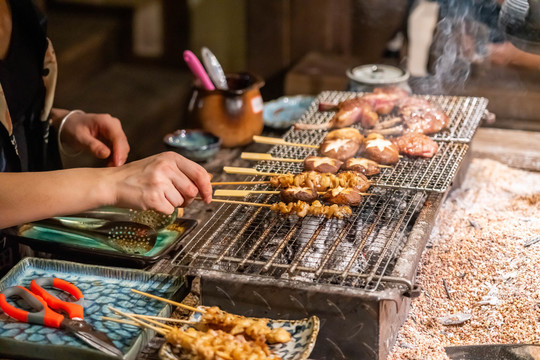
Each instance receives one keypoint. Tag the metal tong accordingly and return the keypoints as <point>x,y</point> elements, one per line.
<point>127,237</point>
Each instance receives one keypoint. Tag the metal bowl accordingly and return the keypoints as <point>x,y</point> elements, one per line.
<point>196,145</point>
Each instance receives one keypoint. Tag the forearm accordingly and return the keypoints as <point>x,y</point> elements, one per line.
<point>27,197</point>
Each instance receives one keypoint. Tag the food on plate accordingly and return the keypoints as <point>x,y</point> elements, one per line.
<point>218,345</point>
<point>322,164</point>
<point>294,193</point>
<point>343,196</point>
<point>302,209</point>
<point>340,149</point>
<point>415,144</point>
<point>380,150</point>
<point>253,328</point>
<point>362,165</point>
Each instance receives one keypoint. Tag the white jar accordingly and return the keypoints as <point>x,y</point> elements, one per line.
<point>365,78</point>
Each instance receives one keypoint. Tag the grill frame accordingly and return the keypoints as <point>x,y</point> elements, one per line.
<point>374,311</point>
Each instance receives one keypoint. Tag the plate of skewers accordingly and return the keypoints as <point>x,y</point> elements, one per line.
<point>213,334</point>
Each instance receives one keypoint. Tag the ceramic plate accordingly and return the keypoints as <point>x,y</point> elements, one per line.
<point>303,332</point>
<point>101,287</point>
<point>285,111</point>
<point>55,241</point>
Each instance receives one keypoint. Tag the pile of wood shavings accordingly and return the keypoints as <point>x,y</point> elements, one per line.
<point>477,265</point>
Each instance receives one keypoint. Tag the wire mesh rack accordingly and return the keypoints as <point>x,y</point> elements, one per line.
<point>358,251</point>
<point>465,113</point>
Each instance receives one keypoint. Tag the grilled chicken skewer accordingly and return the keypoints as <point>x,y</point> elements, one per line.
<point>299,208</point>
<point>312,179</point>
<point>325,164</point>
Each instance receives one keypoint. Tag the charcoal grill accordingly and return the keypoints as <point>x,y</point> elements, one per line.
<point>356,274</point>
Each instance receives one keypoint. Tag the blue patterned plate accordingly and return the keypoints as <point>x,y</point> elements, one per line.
<point>285,111</point>
<point>303,332</point>
<point>101,287</point>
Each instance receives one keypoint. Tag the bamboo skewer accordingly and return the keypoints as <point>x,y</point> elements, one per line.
<point>181,321</point>
<point>239,183</point>
<point>247,171</point>
<point>239,203</point>
<point>187,307</point>
<point>264,156</point>
<point>158,330</point>
<point>242,193</point>
<point>278,141</point>
<point>121,321</point>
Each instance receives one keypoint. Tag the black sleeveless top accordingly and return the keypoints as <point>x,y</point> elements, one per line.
<point>21,79</point>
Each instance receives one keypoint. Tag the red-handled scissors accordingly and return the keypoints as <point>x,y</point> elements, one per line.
<point>48,306</point>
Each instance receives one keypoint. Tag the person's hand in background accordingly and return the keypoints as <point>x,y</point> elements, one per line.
<point>98,134</point>
<point>506,54</point>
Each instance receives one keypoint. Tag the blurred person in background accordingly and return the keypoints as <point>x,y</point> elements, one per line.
<point>32,184</point>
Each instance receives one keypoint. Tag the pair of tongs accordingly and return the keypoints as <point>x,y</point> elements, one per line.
<point>125,236</point>
<point>152,218</point>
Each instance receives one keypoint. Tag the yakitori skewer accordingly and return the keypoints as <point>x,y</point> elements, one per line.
<point>244,193</point>
<point>215,318</point>
<point>325,164</point>
<point>312,179</point>
<point>300,208</point>
<point>209,344</point>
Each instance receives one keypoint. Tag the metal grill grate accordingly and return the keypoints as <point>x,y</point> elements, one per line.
<point>465,113</point>
<point>357,252</point>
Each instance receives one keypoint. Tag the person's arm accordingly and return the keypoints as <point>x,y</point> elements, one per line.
<point>160,182</point>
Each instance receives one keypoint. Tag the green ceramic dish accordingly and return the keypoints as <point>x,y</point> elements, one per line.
<point>86,249</point>
<point>101,286</point>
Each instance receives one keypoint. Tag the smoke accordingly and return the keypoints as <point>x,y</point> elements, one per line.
<point>460,40</point>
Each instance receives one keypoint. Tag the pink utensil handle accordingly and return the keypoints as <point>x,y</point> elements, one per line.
<point>198,70</point>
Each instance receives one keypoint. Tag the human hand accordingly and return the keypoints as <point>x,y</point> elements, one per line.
<point>100,134</point>
<point>161,182</point>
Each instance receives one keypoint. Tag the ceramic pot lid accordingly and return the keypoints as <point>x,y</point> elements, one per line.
<point>377,74</point>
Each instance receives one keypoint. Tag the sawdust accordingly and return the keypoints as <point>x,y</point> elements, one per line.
<point>477,265</point>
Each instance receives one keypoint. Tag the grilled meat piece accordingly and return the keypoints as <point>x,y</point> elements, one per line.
<point>302,209</point>
<point>295,193</point>
<point>422,116</point>
<point>321,181</point>
<point>380,150</point>
<point>383,100</point>
<point>362,165</point>
<point>343,196</point>
<point>415,144</point>
<point>345,133</point>
<point>364,109</point>
<point>322,164</point>
<point>340,149</point>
